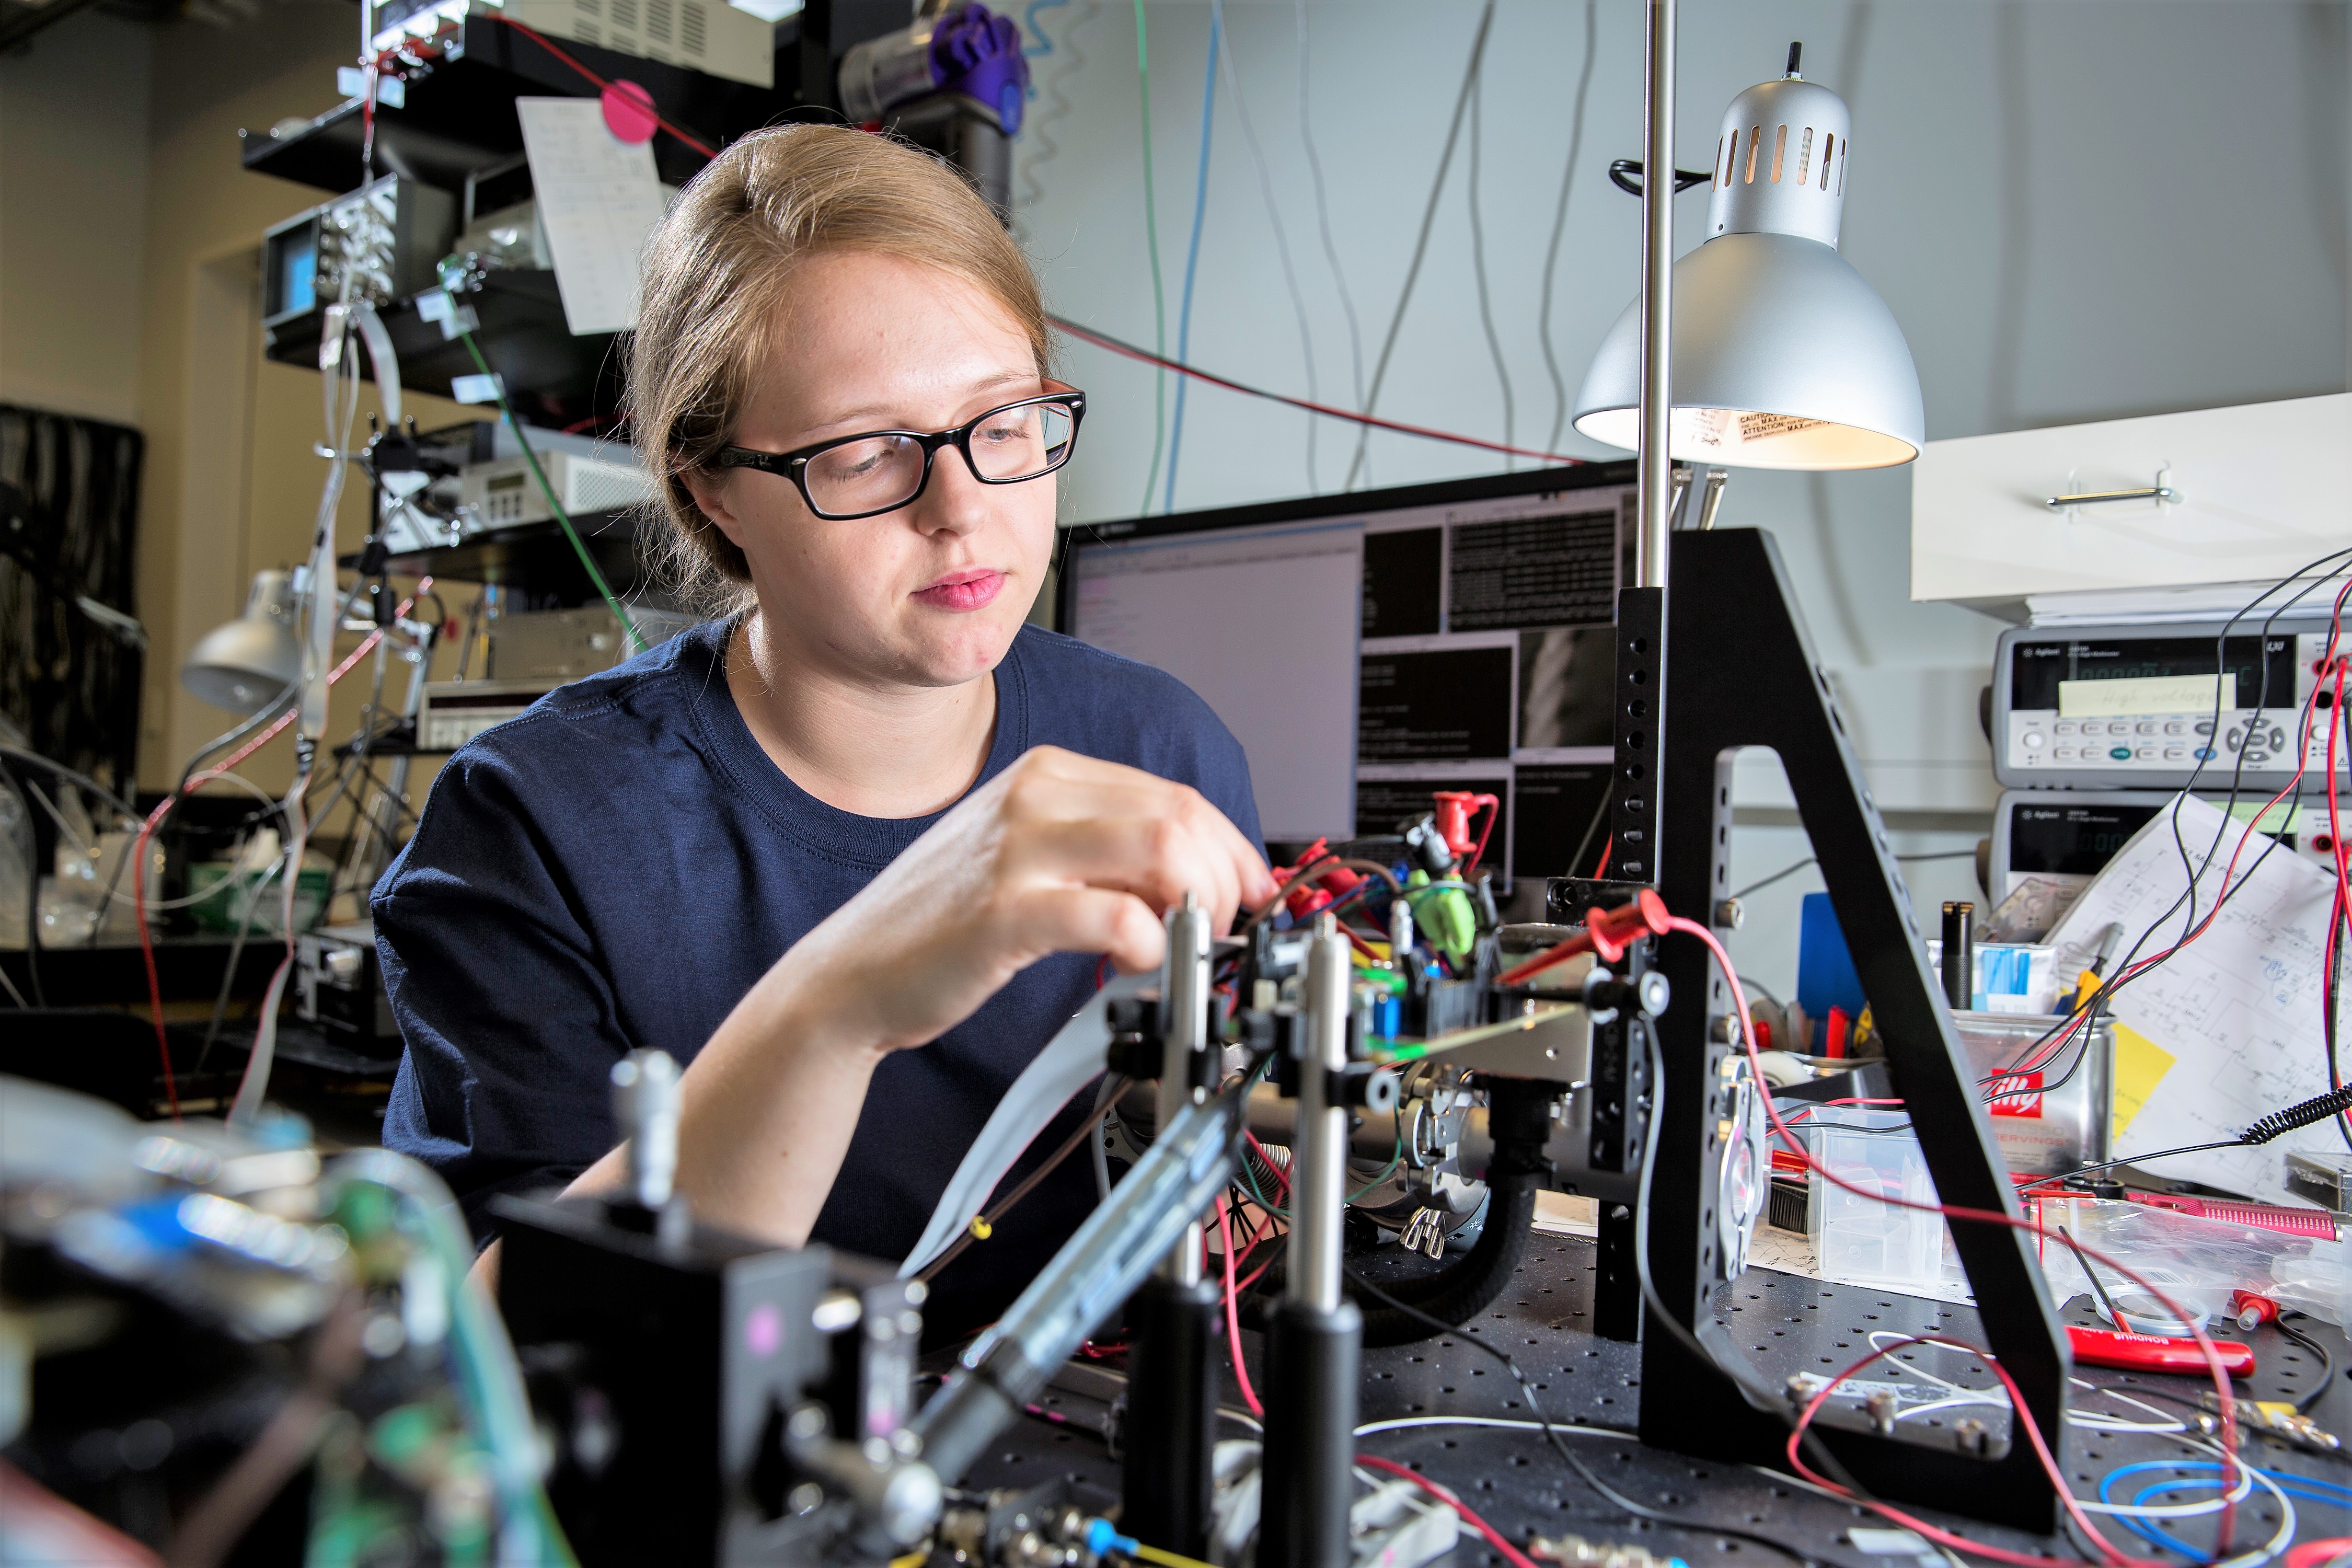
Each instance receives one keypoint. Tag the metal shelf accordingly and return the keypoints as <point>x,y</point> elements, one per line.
<point>458,114</point>
<point>551,377</point>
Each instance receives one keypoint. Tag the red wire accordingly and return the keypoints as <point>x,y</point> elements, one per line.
<point>2228,1411</point>
<point>1130,351</point>
<point>1943,1537</point>
<point>1234,1314</point>
<point>1511,1554</point>
<point>541,41</point>
<point>155,820</point>
<point>1602,870</point>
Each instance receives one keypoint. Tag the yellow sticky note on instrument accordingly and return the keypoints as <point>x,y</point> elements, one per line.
<point>2140,1066</point>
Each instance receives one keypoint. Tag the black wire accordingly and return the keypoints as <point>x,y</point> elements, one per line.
<point>1535,1407</point>
<point>1028,1184</point>
<point>32,891</point>
<point>1813,859</point>
<point>2318,1390</point>
<point>2160,1154</point>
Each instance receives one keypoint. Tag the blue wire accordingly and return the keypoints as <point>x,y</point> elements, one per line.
<point>1044,44</point>
<point>1192,261</point>
<point>2307,1488</point>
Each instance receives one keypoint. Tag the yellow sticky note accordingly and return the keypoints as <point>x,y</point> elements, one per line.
<point>2140,1066</point>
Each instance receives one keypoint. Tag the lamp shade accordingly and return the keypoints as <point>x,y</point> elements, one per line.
<point>1782,356</point>
<point>253,662</point>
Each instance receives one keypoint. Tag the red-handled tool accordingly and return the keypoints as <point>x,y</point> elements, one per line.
<point>1606,932</point>
<point>2158,1352</point>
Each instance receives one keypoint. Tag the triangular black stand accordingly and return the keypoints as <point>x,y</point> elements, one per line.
<point>1739,672</point>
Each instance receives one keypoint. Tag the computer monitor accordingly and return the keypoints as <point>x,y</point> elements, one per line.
<point>1368,649</point>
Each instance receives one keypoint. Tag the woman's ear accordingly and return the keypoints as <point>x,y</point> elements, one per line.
<point>709,491</point>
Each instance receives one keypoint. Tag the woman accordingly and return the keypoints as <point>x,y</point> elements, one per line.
<point>853,850</point>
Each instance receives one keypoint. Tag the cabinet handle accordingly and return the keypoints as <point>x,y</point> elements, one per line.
<point>2159,490</point>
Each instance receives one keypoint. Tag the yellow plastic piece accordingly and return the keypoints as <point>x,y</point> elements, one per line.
<point>2140,1066</point>
<point>981,1229</point>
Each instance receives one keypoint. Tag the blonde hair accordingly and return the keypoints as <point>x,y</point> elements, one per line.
<point>719,265</point>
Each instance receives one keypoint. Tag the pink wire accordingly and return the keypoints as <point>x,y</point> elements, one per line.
<point>1234,1314</point>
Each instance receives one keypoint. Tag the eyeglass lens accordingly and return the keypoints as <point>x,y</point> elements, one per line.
<point>883,471</point>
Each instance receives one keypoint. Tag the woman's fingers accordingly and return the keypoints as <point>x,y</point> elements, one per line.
<point>1158,859</point>
<point>1045,919</point>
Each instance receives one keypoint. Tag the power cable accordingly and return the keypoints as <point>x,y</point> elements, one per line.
<point>1193,251</point>
<point>1421,243</point>
<point>1152,243</point>
<point>1559,227</point>
<point>1281,236</point>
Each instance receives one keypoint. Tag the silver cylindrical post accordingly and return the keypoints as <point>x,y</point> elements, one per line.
<point>1185,1031</point>
<point>1655,491</point>
<point>645,1104</point>
<point>1318,1168</point>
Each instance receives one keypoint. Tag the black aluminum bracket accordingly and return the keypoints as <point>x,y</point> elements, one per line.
<point>1742,672</point>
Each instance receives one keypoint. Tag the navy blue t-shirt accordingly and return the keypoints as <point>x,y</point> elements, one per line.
<point>617,867</point>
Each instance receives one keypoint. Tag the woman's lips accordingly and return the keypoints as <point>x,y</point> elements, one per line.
<point>963,590</point>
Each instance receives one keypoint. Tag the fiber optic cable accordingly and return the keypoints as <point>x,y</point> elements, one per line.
<point>578,545</point>
<point>1193,252</point>
<point>1560,227</point>
<point>1478,266</point>
<point>1152,243</point>
<point>1281,237</point>
<point>1323,219</point>
<point>1421,244</point>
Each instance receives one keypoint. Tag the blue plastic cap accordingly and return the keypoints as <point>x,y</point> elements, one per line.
<point>1103,1536</point>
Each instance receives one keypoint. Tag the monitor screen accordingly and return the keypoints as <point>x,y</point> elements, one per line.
<point>1369,650</point>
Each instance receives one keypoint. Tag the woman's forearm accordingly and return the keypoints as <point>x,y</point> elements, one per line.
<point>767,1111</point>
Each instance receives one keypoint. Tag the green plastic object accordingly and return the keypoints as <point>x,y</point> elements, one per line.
<point>1445,918</point>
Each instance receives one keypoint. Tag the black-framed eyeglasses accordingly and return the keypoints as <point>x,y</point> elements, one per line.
<point>865,476</point>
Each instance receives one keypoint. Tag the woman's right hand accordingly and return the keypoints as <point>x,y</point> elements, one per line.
<point>1060,853</point>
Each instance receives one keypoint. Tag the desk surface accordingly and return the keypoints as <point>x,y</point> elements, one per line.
<point>1515,1479</point>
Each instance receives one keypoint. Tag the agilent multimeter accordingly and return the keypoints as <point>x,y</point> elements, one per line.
<point>2165,705</point>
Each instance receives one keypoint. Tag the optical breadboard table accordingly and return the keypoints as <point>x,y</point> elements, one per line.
<point>1787,1325</point>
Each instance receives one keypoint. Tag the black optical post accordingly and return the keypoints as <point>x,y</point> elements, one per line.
<point>1732,654</point>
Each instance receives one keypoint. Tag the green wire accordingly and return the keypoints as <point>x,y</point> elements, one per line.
<point>1151,239</point>
<point>548,490</point>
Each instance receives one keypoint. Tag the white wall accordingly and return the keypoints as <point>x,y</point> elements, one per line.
<point>2077,211</point>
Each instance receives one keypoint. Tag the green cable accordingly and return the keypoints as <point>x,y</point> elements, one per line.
<point>570,532</point>
<point>1151,239</point>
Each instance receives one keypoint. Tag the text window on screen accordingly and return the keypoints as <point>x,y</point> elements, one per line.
<point>1262,622</point>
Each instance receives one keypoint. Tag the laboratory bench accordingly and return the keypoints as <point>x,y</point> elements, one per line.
<point>1788,1325</point>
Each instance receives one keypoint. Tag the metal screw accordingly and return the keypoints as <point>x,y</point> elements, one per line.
<point>1728,914</point>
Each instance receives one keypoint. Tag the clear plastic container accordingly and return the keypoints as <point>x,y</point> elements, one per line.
<point>1859,1240</point>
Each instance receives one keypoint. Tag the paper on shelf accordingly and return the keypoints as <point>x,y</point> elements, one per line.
<point>2237,1010</point>
<point>598,198</point>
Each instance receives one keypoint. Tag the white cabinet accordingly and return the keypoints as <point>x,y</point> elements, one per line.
<point>2262,488</point>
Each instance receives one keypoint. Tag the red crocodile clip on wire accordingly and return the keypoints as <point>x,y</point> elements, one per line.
<point>1606,932</point>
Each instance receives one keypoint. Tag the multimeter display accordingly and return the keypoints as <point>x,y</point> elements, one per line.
<point>2036,669</point>
<point>2071,840</point>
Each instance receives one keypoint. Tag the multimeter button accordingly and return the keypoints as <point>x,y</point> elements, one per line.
<point>2147,753</point>
<point>2258,756</point>
<point>2066,726</point>
<point>2174,754</point>
<point>2278,740</point>
<point>2033,740</point>
<point>2147,728</point>
<point>2234,739</point>
<point>2120,753</point>
<point>2204,754</point>
<point>2176,729</point>
<point>2204,726</point>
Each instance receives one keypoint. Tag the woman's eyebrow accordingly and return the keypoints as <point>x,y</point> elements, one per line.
<point>882,411</point>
